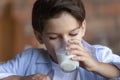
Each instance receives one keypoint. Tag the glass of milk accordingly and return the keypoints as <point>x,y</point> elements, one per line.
<point>64,60</point>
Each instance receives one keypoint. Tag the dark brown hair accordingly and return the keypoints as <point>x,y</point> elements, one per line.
<point>46,9</point>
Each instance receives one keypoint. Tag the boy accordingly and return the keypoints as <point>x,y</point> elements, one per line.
<point>56,22</point>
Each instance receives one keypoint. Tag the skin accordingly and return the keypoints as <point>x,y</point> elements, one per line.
<point>59,30</point>
<point>66,29</point>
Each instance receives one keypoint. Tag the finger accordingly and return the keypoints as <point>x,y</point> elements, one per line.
<point>72,47</point>
<point>76,41</point>
<point>75,52</point>
<point>46,78</point>
<point>75,47</point>
<point>78,58</point>
<point>40,77</point>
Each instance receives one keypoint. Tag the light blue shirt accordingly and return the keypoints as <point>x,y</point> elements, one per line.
<point>33,61</point>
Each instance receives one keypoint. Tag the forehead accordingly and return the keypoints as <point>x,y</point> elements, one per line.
<point>62,24</point>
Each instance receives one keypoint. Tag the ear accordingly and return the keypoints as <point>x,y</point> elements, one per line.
<point>83,28</point>
<point>38,36</point>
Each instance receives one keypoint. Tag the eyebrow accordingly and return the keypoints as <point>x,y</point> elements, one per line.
<point>75,29</point>
<point>52,33</point>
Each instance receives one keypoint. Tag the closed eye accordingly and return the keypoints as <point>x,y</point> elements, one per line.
<point>75,34</point>
<point>53,38</point>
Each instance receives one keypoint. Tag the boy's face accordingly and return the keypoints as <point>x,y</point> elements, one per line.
<point>61,29</point>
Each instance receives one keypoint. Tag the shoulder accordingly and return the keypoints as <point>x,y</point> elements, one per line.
<point>102,49</point>
<point>31,54</point>
<point>99,52</point>
<point>104,54</point>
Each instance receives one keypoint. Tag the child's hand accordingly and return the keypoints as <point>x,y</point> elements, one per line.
<point>86,61</point>
<point>36,77</point>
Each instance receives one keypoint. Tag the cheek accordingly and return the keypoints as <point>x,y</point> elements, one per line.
<point>51,45</point>
<point>50,49</point>
<point>79,37</point>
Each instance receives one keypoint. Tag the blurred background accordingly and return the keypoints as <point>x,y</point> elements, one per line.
<point>16,34</point>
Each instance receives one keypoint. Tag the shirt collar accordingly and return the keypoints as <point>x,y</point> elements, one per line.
<point>43,57</point>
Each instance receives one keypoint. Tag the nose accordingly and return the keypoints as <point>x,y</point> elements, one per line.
<point>65,39</point>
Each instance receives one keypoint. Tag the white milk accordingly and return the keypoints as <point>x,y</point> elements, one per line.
<point>65,62</point>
